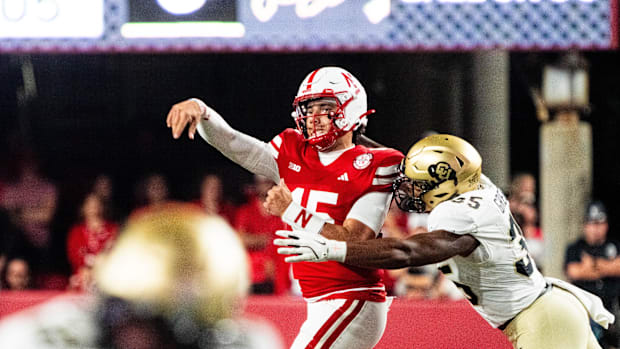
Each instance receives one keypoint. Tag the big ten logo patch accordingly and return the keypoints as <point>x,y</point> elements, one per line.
<point>294,167</point>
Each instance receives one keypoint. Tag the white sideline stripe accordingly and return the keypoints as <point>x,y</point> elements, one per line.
<point>337,323</point>
<point>278,141</point>
<point>386,170</point>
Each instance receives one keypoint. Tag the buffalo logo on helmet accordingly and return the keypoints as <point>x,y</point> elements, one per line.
<point>442,172</point>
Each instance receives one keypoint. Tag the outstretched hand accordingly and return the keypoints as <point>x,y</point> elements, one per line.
<point>278,199</point>
<point>309,247</point>
<point>185,113</point>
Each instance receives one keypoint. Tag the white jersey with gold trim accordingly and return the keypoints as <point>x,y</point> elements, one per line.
<point>499,278</point>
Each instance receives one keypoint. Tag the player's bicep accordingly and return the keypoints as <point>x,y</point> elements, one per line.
<point>466,244</point>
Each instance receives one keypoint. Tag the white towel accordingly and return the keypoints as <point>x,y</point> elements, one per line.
<point>592,303</point>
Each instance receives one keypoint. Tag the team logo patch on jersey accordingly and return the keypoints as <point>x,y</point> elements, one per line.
<point>362,161</point>
<point>442,172</point>
<point>294,167</point>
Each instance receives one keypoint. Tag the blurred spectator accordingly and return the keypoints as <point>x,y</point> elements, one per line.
<point>212,198</point>
<point>150,192</point>
<point>86,239</point>
<point>396,221</point>
<point>395,226</point>
<point>418,284</point>
<point>522,199</point>
<point>593,263</point>
<point>256,227</point>
<point>425,283</point>
<point>12,240</point>
<point>103,187</point>
<point>31,200</point>
<point>17,275</point>
<point>2,264</point>
<point>522,189</point>
<point>9,242</point>
<point>526,216</point>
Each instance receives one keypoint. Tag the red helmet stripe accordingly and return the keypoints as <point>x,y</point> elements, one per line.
<point>310,79</point>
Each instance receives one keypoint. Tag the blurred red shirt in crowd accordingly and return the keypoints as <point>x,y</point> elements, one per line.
<point>88,238</point>
<point>256,226</point>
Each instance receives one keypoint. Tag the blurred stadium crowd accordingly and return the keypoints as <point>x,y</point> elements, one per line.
<point>36,253</point>
<point>46,245</point>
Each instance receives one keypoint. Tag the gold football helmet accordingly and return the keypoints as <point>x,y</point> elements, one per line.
<point>177,259</point>
<point>436,169</point>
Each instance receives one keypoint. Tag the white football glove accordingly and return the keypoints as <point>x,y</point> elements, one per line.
<point>309,247</point>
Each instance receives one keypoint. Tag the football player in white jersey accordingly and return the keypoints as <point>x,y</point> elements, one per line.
<point>328,185</point>
<point>478,245</point>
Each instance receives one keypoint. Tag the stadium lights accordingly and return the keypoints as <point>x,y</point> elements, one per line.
<point>565,85</point>
<point>377,10</point>
<point>181,7</point>
<point>183,30</point>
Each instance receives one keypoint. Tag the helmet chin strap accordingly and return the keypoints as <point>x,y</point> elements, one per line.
<point>323,142</point>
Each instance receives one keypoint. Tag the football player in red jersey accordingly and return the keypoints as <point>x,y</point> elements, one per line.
<point>328,186</point>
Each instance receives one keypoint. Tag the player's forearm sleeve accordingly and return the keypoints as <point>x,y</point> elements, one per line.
<point>248,152</point>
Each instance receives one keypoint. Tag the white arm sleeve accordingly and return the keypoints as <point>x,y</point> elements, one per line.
<point>248,152</point>
<point>371,209</point>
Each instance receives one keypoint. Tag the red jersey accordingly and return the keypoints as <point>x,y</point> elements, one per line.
<point>251,220</point>
<point>83,242</point>
<point>225,210</point>
<point>330,191</point>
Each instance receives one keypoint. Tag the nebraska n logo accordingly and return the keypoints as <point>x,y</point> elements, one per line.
<point>304,219</point>
<point>349,79</point>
